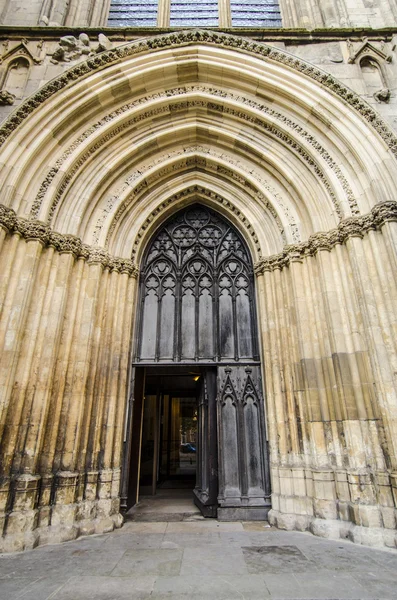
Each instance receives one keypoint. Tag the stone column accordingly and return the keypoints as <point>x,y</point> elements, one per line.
<point>163,13</point>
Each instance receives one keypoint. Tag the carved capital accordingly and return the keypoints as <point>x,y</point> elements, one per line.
<point>7,218</point>
<point>385,211</point>
<point>353,227</point>
<point>66,244</point>
<point>350,228</point>
<point>32,230</point>
<point>294,252</point>
<point>123,265</point>
<point>323,241</point>
<point>98,256</point>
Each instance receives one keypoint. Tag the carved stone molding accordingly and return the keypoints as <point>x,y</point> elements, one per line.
<point>194,191</point>
<point>189,160</point>
<point>215,105</point>
<point>380,51</point>
<point>184,38</point>
<point>30,229</point>
<point>349,228</point>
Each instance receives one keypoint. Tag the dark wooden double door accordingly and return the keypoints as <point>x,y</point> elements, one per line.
<point>197,318</point>
<point>203,428</point>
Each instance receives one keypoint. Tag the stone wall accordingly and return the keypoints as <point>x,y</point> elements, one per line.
<point>366,62</point>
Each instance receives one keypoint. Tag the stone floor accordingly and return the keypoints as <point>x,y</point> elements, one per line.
<point>195,558</point>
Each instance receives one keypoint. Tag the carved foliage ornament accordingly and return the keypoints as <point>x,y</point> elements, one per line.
<point>353,227</point>
<point>36,230</point>
<point>183,38</point>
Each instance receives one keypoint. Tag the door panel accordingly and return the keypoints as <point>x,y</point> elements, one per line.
<point>244,485</point>
<point>206,490</point>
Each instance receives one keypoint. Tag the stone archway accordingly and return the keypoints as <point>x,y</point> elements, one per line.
<point>303,168</point>
<point>197,307</point>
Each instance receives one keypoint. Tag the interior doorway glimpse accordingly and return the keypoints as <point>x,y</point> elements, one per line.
<point>169,430</point>
<point>196,415</point>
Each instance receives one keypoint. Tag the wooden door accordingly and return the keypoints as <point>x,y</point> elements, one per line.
<point>206,490</point>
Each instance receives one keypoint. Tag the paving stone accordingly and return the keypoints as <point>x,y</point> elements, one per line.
<point>11,588</point>
<point>225,587</point>
<point>205,564</point>
<point>43,589</point>
<point>275,559</point>
<point>149,562</point>
<point>213,560</point>
<point>310,586</point>
<point>378,583</point>
<point>106,588</point>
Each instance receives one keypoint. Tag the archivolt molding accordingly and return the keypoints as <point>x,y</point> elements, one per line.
<point>348,228</point>
<point>193,191</point>
<point>183,38</point>
<point>256,121</point>
<point>194,156</point>
<point>32,229</point>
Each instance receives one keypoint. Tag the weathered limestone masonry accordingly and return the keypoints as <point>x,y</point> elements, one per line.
<point>106,135</point>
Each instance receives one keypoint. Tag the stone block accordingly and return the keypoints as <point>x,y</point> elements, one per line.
<point>365,516</point>
<point>388,515</point>
<point>63,514</point>
<point>326,529</point>
<point>361,488</point>
<point>343,511</point>
<point>26,488</point>
<point>105,484</point>
<point>21,521</point>
<point>325,509</point>
<point>393,479</point>
<point>367,536</point>
<point>342,486</point>
<point>4,491</point>
<point>86,509</point>
<point>66,483</point>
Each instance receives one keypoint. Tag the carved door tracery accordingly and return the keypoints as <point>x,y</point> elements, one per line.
<point>197,293</point>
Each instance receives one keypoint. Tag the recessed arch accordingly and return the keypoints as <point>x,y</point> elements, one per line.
<point>296,101</point>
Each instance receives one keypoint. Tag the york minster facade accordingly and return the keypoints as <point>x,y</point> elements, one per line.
<point>199,190</point>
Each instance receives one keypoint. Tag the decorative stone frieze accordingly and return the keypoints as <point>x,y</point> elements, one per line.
<point>352,227</point>
<point>30,229</point>
<point>184,38</point>
<point>218,106</point>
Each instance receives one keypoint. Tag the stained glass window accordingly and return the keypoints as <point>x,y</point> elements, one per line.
<point>133,13</point>
<point>194,13</point>
<point>255,13</point>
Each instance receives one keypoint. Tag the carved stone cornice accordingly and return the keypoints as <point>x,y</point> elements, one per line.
<point>31,229</point>
<point>185,38</point>
<point>347,229</point>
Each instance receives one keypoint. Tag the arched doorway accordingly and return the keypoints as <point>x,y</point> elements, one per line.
<point>197,384</point>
